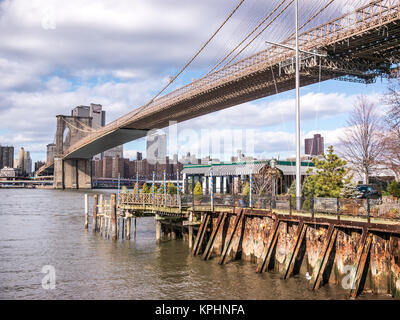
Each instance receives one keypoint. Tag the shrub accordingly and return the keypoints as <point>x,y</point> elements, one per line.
<point>198,191</point>
<point>394,189</point>
<point>171,189</point>
<point>246,189</point>
<point>145,188</point>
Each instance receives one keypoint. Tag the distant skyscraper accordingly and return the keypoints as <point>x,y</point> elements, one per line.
<point>23,162</point>
<point>156,147</point>
<point>6,157</point>
<point>314,146</point>
<point>98,120</point>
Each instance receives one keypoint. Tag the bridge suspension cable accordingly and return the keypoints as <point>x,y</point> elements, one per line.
<point>199,51</point>
<point>248,36</point>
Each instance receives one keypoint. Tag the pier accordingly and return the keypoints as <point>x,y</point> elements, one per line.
<point>347,242</point>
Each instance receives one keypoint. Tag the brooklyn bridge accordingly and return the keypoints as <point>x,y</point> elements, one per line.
<point>359,46</point>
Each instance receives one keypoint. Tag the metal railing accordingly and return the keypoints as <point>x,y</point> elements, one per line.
<point>353,207</point>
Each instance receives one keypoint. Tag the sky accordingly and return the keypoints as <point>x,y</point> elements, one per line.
<point>56,55</point>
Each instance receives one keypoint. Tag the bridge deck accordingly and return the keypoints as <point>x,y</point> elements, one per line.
<point>363,45</point>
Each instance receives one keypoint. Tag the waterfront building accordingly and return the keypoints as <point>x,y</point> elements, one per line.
<point>228,177</point>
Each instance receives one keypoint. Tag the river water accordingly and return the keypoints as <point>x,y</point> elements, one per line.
<point>46,227</point>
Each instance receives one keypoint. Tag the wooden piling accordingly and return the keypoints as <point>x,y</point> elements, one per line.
<point>210,244</point>
<point>362,254</point>
<point>266,256</point>
<point>128,227</point>
<point>134,229</point>
<point>190,230</point>
<point>114,234</point>
<point>158,229</point>
<point>301,230</point>
<point>239,218</point>
<point>95,203</point>
<point>86,211</point>
<point>200,234</point>
<point>101,211</point>
<point>323,257</point>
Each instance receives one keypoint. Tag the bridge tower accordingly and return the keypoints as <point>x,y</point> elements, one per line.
<point>71,173</point>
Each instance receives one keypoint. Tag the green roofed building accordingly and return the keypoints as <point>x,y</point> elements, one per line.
<point>228,177</point>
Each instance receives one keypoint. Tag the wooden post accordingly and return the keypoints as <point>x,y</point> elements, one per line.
<point>173,232</point>
<point>86,211</point>
<point>128,227</point>
<point>323,257</point>
<point>114,234</point>
<point>134,229</point>
<point>158,229</point>
<point>210,244</point>
<point>190,230</point>
<point>200,234</point>
<point>301,230</point>
<point>238,221</point>
<point>95,203</point>
<point>101,211</point>
<point>266,256</point>
<point>362,254</point>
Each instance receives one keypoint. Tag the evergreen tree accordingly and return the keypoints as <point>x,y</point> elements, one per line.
<point>349,190</point>
<point>198,191</point>
<point>145,188</point>
<point>171,189</point>
<point>135,188</point>
<point>328,178</point>
<point>246,189</point>
<point>394,189</point>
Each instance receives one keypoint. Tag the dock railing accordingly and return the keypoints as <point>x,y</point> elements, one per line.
<point>374,208</point>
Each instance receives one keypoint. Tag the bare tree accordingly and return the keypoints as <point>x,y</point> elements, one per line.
<point>391,136</point>
<point>391,154</point>
<point>392,99</point>
<point>362,145</point>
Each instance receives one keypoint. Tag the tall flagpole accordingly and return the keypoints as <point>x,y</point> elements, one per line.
<point>298,157</point>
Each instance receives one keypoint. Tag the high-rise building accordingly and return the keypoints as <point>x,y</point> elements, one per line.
<point>23,162</point>
<point>6,157</point>
<point>28,163</point>
<point>156,147</point>
<point>314,146</point>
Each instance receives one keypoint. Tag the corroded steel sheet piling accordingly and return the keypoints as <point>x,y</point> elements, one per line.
<point>114,217</point>
<point>95,208</point>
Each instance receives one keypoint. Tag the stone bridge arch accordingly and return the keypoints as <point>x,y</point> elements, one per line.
<point>71,173</point>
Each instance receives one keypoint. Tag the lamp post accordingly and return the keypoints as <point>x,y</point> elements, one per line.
<point>298,158</point>
<point>273,166</point>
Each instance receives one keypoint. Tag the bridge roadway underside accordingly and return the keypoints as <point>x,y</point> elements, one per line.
<point>106,142</point>
<point>361,55</point>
